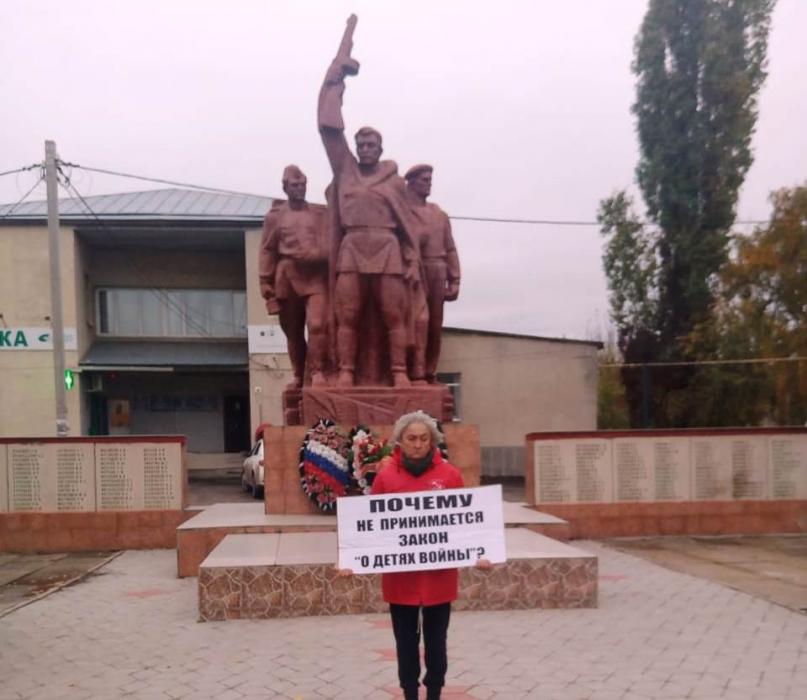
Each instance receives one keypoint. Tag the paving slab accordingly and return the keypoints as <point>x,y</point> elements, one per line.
<point>27,577</point>
<point>658,633</point>
<point>15,566</point>
<point>770,567</point>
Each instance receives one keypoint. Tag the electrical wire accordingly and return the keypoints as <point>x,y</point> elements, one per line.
<point>22,169</point>
<point>537,222</point>
<point>168,301</point>
<point>482,219</point>
<point>11,209</point>
<point>158,180</point>
<point>160,294</point>
<point>696,363</point>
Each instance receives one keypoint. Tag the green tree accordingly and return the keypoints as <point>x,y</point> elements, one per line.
<point>761,312</point>
<point>699,67</point>
<point>612,407</point>
<point>631,266</point>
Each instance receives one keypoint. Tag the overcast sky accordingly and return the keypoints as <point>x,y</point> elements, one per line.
<point>522,107</point>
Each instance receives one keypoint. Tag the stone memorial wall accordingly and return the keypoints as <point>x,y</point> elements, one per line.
<point>788,460</point>
<point>625,483</point>
<point>85,476</point>
<point>646,469</point>
<point>49,477</point>
<point>88,493</point>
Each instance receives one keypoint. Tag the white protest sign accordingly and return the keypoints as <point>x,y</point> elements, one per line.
<point>420,530</point>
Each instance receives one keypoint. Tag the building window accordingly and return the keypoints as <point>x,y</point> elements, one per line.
<point>452,381</point>
<point>172,313</point>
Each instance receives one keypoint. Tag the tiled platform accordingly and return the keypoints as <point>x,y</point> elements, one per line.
<point>197,537</point>
<point>294,574</point>
<point>522,515</point>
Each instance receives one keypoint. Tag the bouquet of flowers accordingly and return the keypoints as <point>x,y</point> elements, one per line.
<point>365,452</point>
<point>324,466</point>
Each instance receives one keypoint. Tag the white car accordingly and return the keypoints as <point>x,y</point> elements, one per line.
<point>252,471</point>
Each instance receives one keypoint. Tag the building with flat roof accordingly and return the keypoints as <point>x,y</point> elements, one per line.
<point>166,332</point>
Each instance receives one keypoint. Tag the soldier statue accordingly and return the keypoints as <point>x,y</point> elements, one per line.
<point>375,261</point>
<point>293,265</point>
<point>440,267</point>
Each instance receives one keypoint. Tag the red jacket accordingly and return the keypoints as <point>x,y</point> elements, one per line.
<point>418,587</point>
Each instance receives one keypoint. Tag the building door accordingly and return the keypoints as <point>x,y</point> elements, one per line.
<point>99,417</point>
<point>236,423</point>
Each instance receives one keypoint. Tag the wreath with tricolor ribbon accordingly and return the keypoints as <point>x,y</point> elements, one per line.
<point>333,464</point>
<point>324,468</point>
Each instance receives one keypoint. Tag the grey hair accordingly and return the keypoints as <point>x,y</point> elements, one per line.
<point>416,417</point>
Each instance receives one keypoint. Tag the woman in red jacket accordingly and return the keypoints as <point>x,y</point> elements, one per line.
<point>417,465</point>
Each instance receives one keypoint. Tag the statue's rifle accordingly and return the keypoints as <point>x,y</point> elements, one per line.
<point>350,66</point>
<point>329,112</point>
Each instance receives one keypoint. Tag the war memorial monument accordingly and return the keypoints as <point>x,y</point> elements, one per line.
<point>358,286</point>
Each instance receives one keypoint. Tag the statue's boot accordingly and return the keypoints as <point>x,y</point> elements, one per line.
<point>345,379</point>
<point>418,375</point>
<point>346,351</point>
<point>317,347</point>
<point>295,383</point>
<point>397,353</point>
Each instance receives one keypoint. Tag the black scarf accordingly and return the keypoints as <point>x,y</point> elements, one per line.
<point>417,466</point>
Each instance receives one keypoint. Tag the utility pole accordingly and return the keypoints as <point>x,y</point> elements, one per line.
<point>57,323</point>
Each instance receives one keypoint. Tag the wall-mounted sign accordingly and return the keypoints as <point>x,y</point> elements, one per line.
<point>34,338</point>
<point>266,339</point>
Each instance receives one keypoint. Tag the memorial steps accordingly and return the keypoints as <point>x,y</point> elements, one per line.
<point>254,565</point>
<point>199,536</point>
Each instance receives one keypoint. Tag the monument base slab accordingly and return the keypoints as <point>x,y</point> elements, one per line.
<point>365,404</point>
<point>294,574</point>
<point>197,537</point>
<point>283,493</point>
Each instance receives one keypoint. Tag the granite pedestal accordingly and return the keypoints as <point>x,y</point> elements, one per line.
<point>294,574</point>
<point>200,535</point>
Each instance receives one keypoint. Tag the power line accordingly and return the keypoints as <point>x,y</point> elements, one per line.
<point>481,219</point>
<point>162,296</point>
<point>21,170</point>
<point>159,293</point>
<point>23,198</point>
<point>567,222</point>
<point>161,181</point>
<point>539,222</point>
<point>694,363</point>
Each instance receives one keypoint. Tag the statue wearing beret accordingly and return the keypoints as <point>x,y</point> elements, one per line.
<point>440,267</point>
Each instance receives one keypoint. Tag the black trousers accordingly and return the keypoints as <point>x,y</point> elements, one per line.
<point>406,627</point>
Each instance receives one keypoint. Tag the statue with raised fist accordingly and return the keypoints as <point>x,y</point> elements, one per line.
<point>375,261</point>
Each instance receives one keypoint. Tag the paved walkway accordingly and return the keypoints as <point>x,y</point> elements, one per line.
<point>771,567</point>
<point>132,632</point>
